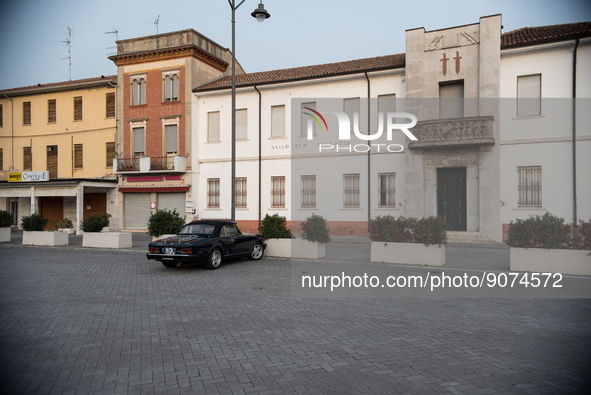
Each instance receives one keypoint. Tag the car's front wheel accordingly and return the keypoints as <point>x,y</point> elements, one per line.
<point>257,252</point>
<point>169,264</point>
<point>214,259</point>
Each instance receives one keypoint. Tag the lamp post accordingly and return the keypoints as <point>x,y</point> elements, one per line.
<point>260,14</point>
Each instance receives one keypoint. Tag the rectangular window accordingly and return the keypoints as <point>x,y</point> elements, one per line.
<point>307,120</point>
<point>1,116</point>
<point>27,113</point>
<point>386,190</point>
<point>386,104</point>
<point>241,124</point>
<point>451,100</point>
<point>1,160</point>
<point>529,95</point>
<point>241,192</point>
<point>530,186</point>
<point>78,108</point>
<point>171,139</point>
<point>278,192</point>
<point>78,161</point>
<point>138,90</point>
<point>308,192</point>
<point>351,190</point>
<point>110,149</point>
<point>52,161</point>
<point>138,142</point>
<point>170,86</point>
<point>277,121</point>
<point>27,159</point>
<point>351,107</point>
<point>213,193</point>
<point>110,105</point>
<point>213,126</point>
<point>51,111</point>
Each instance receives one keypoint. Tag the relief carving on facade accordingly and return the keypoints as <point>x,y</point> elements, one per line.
<point>451,40</point>
<point>454,132</point>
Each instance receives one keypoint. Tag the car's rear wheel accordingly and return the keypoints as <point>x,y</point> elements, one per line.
<point>257,252</point>
<point>214,259</point>
<point>169,263</point>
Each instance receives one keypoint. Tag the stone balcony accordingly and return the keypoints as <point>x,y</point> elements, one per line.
<point>454,132</point>
<point>147,165</point>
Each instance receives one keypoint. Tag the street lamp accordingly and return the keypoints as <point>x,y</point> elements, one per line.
<point>260,14</point>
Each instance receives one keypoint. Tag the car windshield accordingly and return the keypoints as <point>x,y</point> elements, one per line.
<point>198,229</point>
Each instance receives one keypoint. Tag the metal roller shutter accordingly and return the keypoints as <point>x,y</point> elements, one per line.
<point>171,201</point>
<point>137,210</point>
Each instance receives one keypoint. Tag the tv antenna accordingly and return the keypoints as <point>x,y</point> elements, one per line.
<point>69,44</point>
<point>155,23</point>
<point>116,33</point>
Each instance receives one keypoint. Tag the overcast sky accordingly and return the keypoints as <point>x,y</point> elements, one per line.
<point>299,32</point>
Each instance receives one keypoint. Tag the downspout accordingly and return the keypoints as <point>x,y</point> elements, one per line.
<point>260,154</point>
<point>11,132</point>
<point>574,137</point>
<point>368,154</point>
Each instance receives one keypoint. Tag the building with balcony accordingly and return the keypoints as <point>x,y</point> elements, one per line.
<point>57,143</point>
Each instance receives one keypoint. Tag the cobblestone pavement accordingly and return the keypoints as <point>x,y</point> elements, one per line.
<point>108,321</point>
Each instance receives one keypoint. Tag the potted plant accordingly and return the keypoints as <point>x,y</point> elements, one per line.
<point>408,240</point>
<point>94,236</point>
<point>5,226</point>
<point>33,233</point>
<point>315,235</point>
<point>164,223</point>
<point>274,230</point>
<point>545,244</point>
<point>65,225</point>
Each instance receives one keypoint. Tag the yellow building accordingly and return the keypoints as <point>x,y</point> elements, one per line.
<point>57,143</point>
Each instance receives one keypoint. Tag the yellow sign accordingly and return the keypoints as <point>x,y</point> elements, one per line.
<point>15,177</point>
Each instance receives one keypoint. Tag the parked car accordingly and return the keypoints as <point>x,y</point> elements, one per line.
<point>207,242</point>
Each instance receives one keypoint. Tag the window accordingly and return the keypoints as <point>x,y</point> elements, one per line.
<point>138,142</point>
<point>307,120</point>
<point>277,121</point>
<point>51,111</point>
<point>27,113</point>
<point>529,95</point>
<point>1,159</point>
<point>308,192</point>
<point>78,162</point>
<point>386,190</point>
<point>52,161</point>
<point>213,126</point>
<point>1,116</point>
<point>110,148</point>
<point>530,186</point>
<point>213,193</point>
<point>351,190</point>
<point>278,192</point>
<point>241,192</point>
<point>229,230</point>
<point>110,105</point>
<point>241,124</point>
<point>171,132</point>
<point>138,90</point>
<point>170,85</point>
<point>78,108</point>
<point>350,107</point>
<point>451,100</point>
<point>386,104</point>
<point>27,159</point>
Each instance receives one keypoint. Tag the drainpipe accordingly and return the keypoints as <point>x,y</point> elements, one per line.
<point>368,153</point>
<point>260,154</point>
<point>11,132</point>
<point>574,137</point>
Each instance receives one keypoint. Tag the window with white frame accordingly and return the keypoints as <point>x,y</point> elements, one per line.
<point>530,186</point>
<point>307,120</point>
<point>277,121</point>
<point>138,142</point>
<point>386,190</point>
<point>351,190</point>
<point>213,193</point>
<point>170,85</point>
<point>240,192</point>
<point>278,192</point>
<point>529,95</point>
<point>351,107</point>
<point>308,192</point>
<point>171,138</point>
<point>241,124</point>
<point>138,89</point>
<point>213,126</point>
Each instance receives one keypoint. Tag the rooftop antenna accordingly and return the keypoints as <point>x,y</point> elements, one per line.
<point>155,23</point>
<point>69,44</point>
<point>116,33</point>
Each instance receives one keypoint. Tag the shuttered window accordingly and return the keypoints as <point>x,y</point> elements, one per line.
<point>110,154</point>
<point>78,158</point>
<point>241,121</point>
<point>278,121</point>
<point>27,113</point>
<point>78,108</point>
<point>110,103</point>
<point>213,126</point>
<point>52,161</point>
<point>350,107</point>
<point>171,139</point>
<point>170,82</point>
<point>27,159</point>
<point>138,90</point>
<point>529,95</point>
<point>138,142</point>
<point>51,111</point>
<point>451,100</point>
<point>1,159</point>
<point>1,116</point>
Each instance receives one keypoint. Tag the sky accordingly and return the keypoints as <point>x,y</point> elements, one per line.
<point>299,33</point>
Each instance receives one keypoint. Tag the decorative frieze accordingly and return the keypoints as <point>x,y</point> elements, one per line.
<point>454,132</point>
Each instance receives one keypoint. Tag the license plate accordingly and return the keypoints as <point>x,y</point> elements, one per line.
<point>169,251</point>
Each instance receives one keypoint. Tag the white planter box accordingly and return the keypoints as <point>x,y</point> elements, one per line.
<point>106,239</point>
<point>45,238</point>
<point>154,238</point>
<point>541,260</point>
<point>5,234</point>
<point>278,248</point>
<point>408,253</point>
<point>295,248</point>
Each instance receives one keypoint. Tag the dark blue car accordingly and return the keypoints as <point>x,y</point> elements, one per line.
<point>207,242</point>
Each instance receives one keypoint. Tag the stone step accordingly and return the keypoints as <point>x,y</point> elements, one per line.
<point>467,237</point>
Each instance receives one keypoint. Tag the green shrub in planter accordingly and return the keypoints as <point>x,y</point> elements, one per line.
<point>547,231</point>
<point>584,235</point>
<point>430,230</point>
<point>165,222</point>
<point>274,227</point>
<point>64,224</point>
<point>34,223</point>
<point>96,223</point>
<point>315,229</point>
<point>5,219</point>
